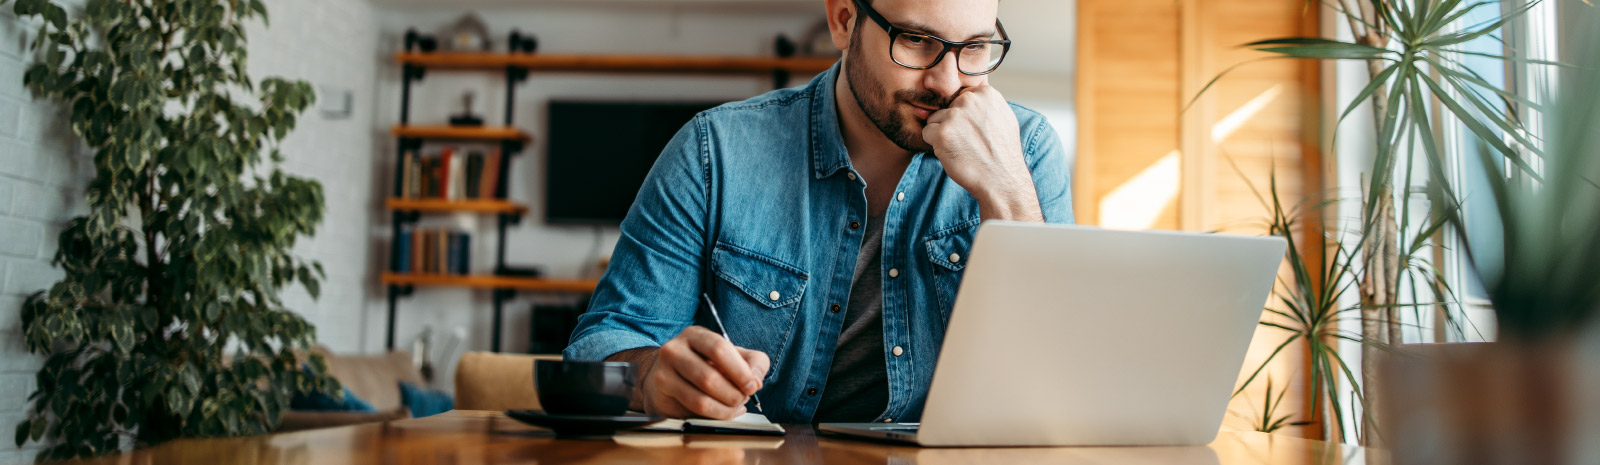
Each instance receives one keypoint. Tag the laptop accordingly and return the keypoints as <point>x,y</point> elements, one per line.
<point>1075,336</point>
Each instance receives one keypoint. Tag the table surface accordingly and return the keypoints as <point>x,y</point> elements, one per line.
<point>482,437</point>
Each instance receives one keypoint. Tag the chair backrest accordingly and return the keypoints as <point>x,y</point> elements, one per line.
<point>493,381</point>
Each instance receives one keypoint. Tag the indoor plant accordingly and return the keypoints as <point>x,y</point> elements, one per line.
<point>1414,60</point>
<point>1530,397</point>
<point>168,322</point>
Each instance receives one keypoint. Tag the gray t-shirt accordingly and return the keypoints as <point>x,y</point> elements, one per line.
<point>858,381</point>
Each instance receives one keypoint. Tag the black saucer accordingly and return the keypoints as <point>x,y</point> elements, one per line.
<point>583,425</point>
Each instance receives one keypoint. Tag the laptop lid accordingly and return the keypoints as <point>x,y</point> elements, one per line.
<point>1066,335</point>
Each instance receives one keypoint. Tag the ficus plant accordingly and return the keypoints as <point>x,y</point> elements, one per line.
<point>168,321</point>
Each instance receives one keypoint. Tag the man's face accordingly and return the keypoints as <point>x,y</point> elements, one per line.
<point>897,99</point>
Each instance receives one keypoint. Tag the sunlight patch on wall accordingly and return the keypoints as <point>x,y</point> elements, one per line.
<point>1228,124</point>
<point>1138,203</point>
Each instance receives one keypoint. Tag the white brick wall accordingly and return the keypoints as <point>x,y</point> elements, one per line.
<point>38,181</point>
<point>331,43</point>
<point>43,171</point>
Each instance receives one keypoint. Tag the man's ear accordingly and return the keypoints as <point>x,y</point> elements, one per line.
<point>841,20</point>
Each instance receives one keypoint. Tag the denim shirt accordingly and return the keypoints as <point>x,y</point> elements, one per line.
<point>770,177</point>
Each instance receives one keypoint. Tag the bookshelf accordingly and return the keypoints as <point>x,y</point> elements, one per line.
<point>406,207</point>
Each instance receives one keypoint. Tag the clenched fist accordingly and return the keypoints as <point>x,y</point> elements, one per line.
<point>977,140</point>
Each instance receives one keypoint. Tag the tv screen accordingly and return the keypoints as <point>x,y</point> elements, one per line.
<point>598,154</point>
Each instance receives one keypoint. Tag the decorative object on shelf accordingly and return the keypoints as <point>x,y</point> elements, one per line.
<point>466,117</point>
<point>522,43</point>
<point>420,42</point>
<point>467,34</point>
<point>154,330</point>
<point>783,46</point>
<point>420,356</point>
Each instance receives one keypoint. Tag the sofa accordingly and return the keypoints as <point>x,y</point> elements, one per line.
<point>373,378</point>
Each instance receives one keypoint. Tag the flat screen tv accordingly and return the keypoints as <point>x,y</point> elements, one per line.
<point>598,154</point>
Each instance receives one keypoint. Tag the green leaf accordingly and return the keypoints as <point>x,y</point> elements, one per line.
<point>1312,47</point>
<point>56,15</point>
<point>27,7</point>
<point>36,429</point>
<point>23,429</point>
<point>1297,41</point>
<point>1381,80</point>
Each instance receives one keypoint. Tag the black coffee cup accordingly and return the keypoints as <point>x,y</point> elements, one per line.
<point>584,388</point>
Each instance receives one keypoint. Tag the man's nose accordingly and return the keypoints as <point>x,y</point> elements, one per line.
<point>944,78</point>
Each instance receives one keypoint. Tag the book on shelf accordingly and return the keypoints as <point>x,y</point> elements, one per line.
<point>402,257</point>
<point>489,181</point>
<point>433,251</point>
<point>450,174</point>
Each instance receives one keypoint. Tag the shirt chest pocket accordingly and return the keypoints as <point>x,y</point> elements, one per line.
<point>758,298</point>
<point>947,258</point>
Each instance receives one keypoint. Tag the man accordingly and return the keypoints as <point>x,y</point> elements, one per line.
<point>828,224</point>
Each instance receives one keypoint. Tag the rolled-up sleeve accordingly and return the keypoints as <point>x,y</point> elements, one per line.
<point>649,292</point>
<point>1052,170</point>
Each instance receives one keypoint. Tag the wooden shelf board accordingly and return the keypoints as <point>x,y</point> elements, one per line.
<point>492,282</point>
<point>461,132</point>
<point>616,63</point>
<point>467,205</point>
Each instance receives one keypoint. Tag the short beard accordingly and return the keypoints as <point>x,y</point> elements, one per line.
<point>893,125</point>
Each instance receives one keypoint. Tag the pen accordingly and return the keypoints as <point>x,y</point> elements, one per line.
<point>724,330</point>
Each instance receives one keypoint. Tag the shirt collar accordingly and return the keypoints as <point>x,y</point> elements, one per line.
<point>828,154</point>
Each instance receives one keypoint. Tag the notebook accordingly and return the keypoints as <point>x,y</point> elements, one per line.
<point>749,423</point>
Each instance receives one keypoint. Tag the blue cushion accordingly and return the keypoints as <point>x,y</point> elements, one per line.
<point>425,402</point>
<point>323,402</point>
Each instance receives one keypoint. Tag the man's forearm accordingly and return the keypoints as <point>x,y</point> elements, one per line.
<point>643,359</point>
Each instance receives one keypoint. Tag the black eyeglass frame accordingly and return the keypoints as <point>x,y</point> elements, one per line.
<point>895,32</point>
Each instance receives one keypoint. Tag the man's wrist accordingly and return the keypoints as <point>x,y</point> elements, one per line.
<point>643,360</point>
<point>1012,197</point>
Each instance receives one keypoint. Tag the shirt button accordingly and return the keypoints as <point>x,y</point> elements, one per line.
<point>811,391</point>
<point>854,225</point>
<point>852,176</point>
<point>834,308</point>
<point>774,295</point>
<point>900,196</point>
<point>888,420</point>
<point>955,257</point>
<point>898,351</point>
<point>894,272</point>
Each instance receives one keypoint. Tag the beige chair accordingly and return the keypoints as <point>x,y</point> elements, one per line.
<point>492,381</point>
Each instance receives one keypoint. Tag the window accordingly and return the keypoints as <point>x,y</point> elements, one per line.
<point>1530,36</point>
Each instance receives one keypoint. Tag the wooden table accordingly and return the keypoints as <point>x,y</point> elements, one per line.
<point>479,437</point>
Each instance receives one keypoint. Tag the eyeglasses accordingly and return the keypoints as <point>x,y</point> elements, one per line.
<point>916,50</point>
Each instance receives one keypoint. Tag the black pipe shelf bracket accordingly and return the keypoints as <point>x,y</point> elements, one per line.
<point>411,73</point>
